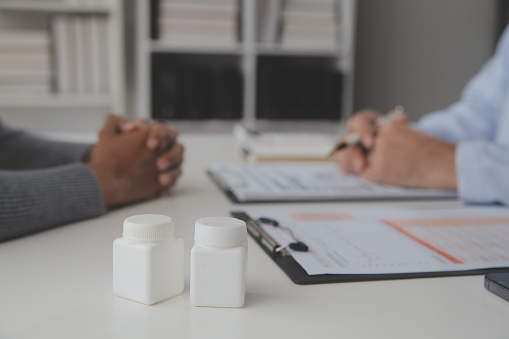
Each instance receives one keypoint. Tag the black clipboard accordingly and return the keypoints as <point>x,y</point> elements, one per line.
<point>226,190</point>
<point>235,199</point>
<point>299,276</point>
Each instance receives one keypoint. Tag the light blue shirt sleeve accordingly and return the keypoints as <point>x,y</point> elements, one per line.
<point>479,125</point>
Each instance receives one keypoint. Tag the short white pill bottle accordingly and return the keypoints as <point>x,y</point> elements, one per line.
<point>148,261</point>
<point>218,262</point>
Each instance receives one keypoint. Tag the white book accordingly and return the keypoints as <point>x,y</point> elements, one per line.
<point>310,6</point>
<point>79,53</point>
<point>296,36</point>
<point>60,30</point>
<point>72,52</point>
<point>25,79</point>
<point>191,22</point>
<point>10,36</point>
<point>16,49</point>
<point>24,73</point>
<point>20,45</point>
<point>96,53</point>
<point>309,44</point>
<point>93,2</point>
<point>310,19</point>
<point>286,145</point>
<point>87,54</point>
<point>87,2</point>
<point>309,40</point>
<point>270,21</point>
<point>197,13</point>
<point>12,89</point>
<point>210,41</point>
<point>193,27</point>
<point>223,3</point>
<point>79,2</point>
<point>191,41</point>
<point>104,55</point>
<point>25,61</point>
<point>194,5</point>
<point>306,32</point>
<point>260,17</point>
<point>310,24</point>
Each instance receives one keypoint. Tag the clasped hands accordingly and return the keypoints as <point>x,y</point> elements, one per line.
<point>135,160</point>
<point>397,154</point>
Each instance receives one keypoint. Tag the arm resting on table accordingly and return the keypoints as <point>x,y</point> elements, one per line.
<point>35,200</point>
<point>20,150</point>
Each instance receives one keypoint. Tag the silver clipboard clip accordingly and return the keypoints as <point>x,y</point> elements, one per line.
<point>265,240</point>
<point>270,244</point>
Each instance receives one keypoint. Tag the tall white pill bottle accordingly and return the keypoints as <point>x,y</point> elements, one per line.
<point>148,261</point>
<point>218,262</point>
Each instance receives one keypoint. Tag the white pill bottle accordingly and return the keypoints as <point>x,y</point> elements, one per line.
<point>218,262</point>
<point>148,261</point>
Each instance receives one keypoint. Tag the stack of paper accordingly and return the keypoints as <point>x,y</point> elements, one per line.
<point>81,53</point>
<point>198,21</point>
<point>310,23</point>
<point>24,61</point>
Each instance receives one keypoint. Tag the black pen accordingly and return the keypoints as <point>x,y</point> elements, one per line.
<point>353,139</point>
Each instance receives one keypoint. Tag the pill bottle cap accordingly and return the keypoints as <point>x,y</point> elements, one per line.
<point>220,231</point>
<point>148,227</point>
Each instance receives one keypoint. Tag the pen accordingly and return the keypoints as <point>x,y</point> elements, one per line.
<point>352,139</point>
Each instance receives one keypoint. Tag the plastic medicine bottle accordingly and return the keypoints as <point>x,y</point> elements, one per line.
<point>148,261</point>
<point>218,262</point>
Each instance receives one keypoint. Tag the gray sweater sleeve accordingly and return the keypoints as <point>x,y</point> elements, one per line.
<point>35,200</point>
<point>43,184</point>
<point>20,150</point>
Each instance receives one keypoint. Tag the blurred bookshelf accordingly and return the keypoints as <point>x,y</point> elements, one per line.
<point>62,54</point>
<point>256,62</point>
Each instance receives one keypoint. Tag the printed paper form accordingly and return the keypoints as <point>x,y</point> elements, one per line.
<point>305,181</point>
<point>370,241</point>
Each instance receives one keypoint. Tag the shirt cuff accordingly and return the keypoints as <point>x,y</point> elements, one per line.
<point>478,177</point>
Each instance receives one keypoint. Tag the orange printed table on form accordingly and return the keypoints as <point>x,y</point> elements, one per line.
<point>461,240</point>
<point>371,241</point>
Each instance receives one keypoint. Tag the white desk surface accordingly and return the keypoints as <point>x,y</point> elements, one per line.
<point>58,284</point>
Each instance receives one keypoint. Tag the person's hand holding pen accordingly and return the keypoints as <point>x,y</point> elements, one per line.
<point>351,151</point>
<point>386,149</point>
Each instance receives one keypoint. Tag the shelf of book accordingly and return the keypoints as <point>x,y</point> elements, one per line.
<point>283,52</point>
<point>62,54</point>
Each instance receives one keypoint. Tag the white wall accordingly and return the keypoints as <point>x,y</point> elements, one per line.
<point>420,53</point>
